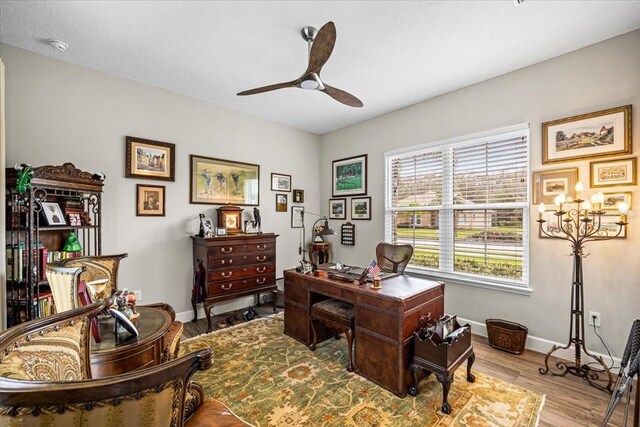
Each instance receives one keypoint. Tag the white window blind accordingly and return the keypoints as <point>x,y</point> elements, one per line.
<point>463,205</point>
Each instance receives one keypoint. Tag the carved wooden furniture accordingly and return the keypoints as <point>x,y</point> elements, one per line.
<point>231,267</point>
<point>319,252</point>
<point>441,359</point>
<point>393,258</point>
<point>75,191</point>
<point>63,282</point>
<point>97,270</point>
<point>338,315</point>
<point>385,320</point>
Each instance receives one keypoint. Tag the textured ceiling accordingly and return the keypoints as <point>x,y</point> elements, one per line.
<point>388,54</point>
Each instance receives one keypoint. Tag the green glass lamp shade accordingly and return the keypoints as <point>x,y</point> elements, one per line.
<point>72,244</point>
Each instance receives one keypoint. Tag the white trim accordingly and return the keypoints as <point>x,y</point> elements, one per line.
<point>477,281</point>
<point>541,345</point>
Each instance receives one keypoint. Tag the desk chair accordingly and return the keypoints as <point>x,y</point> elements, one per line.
<point>339,316</point>
<point>393,258</point>
<point>97,269</point>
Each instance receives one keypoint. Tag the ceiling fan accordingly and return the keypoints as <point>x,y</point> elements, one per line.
<point>321,44</point>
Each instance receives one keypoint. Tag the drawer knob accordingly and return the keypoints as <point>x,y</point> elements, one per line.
<point>261,247</point>
<point>261,258</point>
<point>261,269</point>
<point>227,286</point>
<point>261,281</point>
<point>224,261</point>
<point>226,274</point>
<point>227,250</point>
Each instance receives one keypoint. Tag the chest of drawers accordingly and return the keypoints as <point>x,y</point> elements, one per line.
<point>231,267</point>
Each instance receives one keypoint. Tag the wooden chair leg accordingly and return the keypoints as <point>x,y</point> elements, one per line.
<point>349,334</point>
<point>312,346</point>
<point>470,360</point>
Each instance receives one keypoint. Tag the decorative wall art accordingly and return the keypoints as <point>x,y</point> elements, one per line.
<point>350,176</point>
<point>611,200</point>
<point>599,134</point>
<point>608,224</point>
<point>614,172</point>
<point>219,182</point>
<point>547,184</point>
<point>281,203</point>
<point>298,196</point>
<point>361,208</point>
<point>297,214</point>
<point>338,208</point>
<point>52,213</point>
<point>280,182</point>
<point>150,200</point>
<point>150,159</point>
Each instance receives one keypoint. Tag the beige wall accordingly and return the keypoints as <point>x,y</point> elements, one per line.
<point>58,112</point>
<point>594,78</point>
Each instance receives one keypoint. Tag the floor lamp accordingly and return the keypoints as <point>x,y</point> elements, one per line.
<point>578,226</point>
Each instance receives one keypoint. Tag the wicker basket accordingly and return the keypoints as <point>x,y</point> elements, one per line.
<point>507,336</point>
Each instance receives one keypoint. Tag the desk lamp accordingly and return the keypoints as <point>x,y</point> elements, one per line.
<point>326,231</point>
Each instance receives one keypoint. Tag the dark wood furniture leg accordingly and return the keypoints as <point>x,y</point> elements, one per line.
<point>274,294</point>
<point>207,311</point>
<point>446,381</point>
<point>470,377</point>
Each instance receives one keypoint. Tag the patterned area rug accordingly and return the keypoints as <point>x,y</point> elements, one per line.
<point>269,379</point>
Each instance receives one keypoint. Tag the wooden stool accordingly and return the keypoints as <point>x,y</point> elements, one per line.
<point>338,315</point>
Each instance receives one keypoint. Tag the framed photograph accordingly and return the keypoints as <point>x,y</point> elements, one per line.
<point>150,200</point>
<point>298,196</point>
<point>74,219</point>
<point>207,227</point>
<point>281,203</point>
<point>297,214</point>
<point>614,172</point>
<point>611,200</point>
<point>361,208</point>
<point>600,134</point>
<point>220,182</point>
<point>350,176</point>
<point>548,184</point>
<point>280,182</point>
<point>221,231</point>
<point>338,208</point>
<point>608,225</point>
<point>550,226</point>
<point>52,213</point>
<point>150,159</point>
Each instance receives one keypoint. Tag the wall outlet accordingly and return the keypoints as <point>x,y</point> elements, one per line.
<point>594,317</point>
<point>138,294</point>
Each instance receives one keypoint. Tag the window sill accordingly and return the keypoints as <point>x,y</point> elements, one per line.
<point>476,282</point>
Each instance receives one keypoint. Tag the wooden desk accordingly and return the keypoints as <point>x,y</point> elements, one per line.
<point>123,353</point>
<point>385,320</point>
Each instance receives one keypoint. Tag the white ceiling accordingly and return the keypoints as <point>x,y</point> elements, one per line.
<point>388,54</point>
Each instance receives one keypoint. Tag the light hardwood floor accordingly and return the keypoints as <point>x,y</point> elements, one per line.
<point>569,400</point>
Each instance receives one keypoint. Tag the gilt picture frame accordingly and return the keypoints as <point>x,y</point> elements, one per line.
<point>220,182</point>
<point>611,200</point>
<point>613,173</point>
<point>586,136</point>
<point>548,184</point>
<point>148,159</point>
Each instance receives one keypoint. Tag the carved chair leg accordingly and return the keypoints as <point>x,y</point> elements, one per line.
<point>312,346</point>
<point>446,381</point>
<point>207,312</point>
<point>349,334</point>
<point>413,369</point>
<point>470,377</point>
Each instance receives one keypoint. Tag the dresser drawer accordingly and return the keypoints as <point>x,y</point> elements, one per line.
<point>239,272</point>
<point>233,248</point>
<point>226,261</point>
<point>233,286</point>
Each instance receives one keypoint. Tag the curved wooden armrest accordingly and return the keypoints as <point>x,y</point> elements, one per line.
<point>163,306</point>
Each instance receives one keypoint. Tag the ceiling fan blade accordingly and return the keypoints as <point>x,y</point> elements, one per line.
<point>322,47</point>
<point>268,88</point>
<point>342,96</point>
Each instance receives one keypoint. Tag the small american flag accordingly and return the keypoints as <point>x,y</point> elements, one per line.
<point>373,268</point>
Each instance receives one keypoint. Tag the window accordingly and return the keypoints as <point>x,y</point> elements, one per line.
<point>463,205</point>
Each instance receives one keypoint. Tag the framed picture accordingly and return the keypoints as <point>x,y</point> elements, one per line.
<point>52,213</point>
<point>350,176</point>
<point>281,203</point>
<point>361,208</point>
<point>338,208</point>
<point>219,182</point>
<point>608,225</point>
<point>550,226</point>
<point>297,215</point>
<point>611,200</point>
<point>74,219</point>
<point>280,182</point>
<point>207,227</point>
<point>614,172</point>
<point>599,134</point>
<point>298,196</point>
<point>221,231</point>
<point>548,184</point>
<point>150,200</point>
<point>150,159</point>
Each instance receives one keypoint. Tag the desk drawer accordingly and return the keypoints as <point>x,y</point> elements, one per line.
<point>233,286</point>
<point>226,261</point>
<point>232,248</point>
<point>239,272</point>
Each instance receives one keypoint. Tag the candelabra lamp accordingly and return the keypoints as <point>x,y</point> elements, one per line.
<point>579,225</point>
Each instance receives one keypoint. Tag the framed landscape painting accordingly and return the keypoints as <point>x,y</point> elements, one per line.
<point>548,184</point>
<point>220,182</point>
<point>614,172</point>
<point>361,208</point>
<point>149,159</point>
<point>599,134</point>
<point>611,200</point>
<point>338,208</point>
<point>350,176</point>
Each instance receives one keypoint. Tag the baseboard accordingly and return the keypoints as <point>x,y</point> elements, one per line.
<point>223,307</point>
<point>541,345</point>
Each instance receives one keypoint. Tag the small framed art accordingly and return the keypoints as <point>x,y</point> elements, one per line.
<point>150,200</point>
<point>608,224</point>
<point>361,208</point>
<point>150,159</point>
<point>610,173</point>
<point>297,215</point>
<point>221,231</point>
<point>298,196</point>
<point>74,219</point>
<point>548,184</point>
<point>350,176</point>
<point>53,214</point>
<point>338,208</point>
<point>611,200</point>
<point>280,182</point>
<point>281,203</point>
